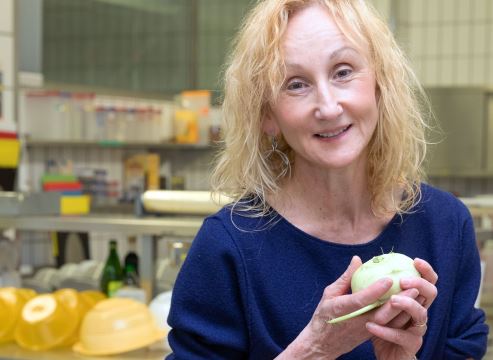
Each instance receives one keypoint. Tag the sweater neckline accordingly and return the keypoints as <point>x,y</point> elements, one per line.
<point>384,234</point>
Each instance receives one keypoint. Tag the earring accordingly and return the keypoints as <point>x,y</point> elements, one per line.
<point>285,166</point>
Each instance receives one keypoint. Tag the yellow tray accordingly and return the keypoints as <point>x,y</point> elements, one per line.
<point>75,205</point>
<point>9,153</point>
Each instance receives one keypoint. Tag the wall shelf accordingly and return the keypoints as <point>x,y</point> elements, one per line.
<point>42,143</point>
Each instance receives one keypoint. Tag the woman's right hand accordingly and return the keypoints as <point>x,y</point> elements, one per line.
<point>322,340</point>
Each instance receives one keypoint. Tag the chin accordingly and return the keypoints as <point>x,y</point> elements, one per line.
<point>342,163</point>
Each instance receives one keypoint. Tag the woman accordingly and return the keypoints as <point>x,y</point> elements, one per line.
<point>324,141</point>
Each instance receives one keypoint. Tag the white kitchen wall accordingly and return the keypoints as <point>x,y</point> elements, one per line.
<point>450,42</point>
<point>7,63</point>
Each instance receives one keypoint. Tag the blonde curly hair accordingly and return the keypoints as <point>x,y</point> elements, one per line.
<point>254,75</point>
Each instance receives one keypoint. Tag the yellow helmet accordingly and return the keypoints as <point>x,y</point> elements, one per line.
<point>11,302</point>
<point>117,325</point>
<point>45,323</point>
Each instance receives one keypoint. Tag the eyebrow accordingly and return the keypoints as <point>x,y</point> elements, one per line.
<point>335,54</point>
<point>342,50</point>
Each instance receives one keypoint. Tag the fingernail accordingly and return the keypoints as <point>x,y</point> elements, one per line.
<point>386,282</point>
<point>394,299</point>
<point>370,325</point>
<point>405,282</point>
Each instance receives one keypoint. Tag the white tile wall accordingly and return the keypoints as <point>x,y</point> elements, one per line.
<point>456,34</point>
<point>432,12</point>
<point>479,34</point>
<point>450,43</point>
<point>446,71</point>
<point>448,10</point>
<point>462,71</point>
<point>480,10</point>
<point>417,9</point>
<point>463,10</point>
<point>6,15</point>
<point>431,39</point>
<point>446,47</point>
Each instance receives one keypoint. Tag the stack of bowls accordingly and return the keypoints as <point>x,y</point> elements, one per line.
<point>12,301</point>
<point>52,320</point>
<point>115,326</point>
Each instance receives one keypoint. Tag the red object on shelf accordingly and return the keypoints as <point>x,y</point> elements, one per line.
<point>62,186</point>
<point>8,135</point>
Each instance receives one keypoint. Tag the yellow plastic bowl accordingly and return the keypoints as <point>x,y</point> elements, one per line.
<point>72,300</point>
<point>11,302</point>
<point>91,297</point>
<point>45,323</point>
<point>115,326</point>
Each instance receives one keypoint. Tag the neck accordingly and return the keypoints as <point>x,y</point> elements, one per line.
<point>330,204</point>
<point>331,193</point>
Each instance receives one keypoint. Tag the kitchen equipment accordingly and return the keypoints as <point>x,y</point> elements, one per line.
<point>160,307</point>
<point>12,301</point>
<point>116,326</point>
<point>41,281</point>
<point>183,202</point>
<point>71,299</point>
<point>46,322</point>
<point>9,257</point>
<point>91,297</point>
<point>39,203</point>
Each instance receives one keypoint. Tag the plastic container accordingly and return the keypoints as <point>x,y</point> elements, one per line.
<point>12,301</point>
<point>71,299</point>
<point>116,326</point>
<point>196,99</point>
<point>9,153</point>
<point>199,101</point>
<point>91,297</point>
<point>75,205</point>
<point>186,126</point>
<point>40,107</point>
<point>45,323</point>
<point>160,307</point>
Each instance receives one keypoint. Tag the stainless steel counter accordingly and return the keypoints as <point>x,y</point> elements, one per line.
<point>13,352</point>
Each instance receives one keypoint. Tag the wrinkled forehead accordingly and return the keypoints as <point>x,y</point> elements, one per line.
<point>316,19</point>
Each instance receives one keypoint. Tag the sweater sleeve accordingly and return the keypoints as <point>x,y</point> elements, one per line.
<point>206,315</point>
<point>467,334</point>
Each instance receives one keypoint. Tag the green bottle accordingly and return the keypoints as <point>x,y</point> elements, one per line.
<point>131,279</point>
<point>112,277</point>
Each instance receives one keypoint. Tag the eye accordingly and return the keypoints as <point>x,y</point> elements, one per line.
<point>343,73</point>
<point>295,85</point>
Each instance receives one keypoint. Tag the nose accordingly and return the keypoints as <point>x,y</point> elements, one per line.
<point>327,107</point>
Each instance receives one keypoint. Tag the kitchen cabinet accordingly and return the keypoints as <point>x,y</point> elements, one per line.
<point>463,144</point>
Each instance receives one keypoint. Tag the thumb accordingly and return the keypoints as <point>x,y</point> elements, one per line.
<point>342,285</point>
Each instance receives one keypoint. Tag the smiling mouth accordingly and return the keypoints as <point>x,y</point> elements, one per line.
<point>333,134</point>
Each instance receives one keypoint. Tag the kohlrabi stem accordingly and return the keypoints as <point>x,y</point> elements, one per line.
<point>356,313</point>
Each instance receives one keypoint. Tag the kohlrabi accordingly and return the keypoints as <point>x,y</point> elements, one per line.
<point>392,265</point>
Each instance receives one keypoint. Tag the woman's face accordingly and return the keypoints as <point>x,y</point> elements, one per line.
<point>327,108</point>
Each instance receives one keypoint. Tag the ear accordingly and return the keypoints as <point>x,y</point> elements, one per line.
<point>269,124</point>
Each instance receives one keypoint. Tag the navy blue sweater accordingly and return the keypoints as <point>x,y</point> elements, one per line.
<point>246,290</point>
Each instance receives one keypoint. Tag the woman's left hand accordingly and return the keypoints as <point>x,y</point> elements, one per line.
<point>402,337</point>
